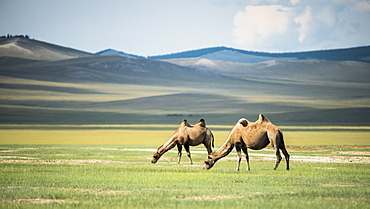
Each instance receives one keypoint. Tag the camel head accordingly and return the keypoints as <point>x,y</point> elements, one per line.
<point>209,162</point>
<point>156,156</point>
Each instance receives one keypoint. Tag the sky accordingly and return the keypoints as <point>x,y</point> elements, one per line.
<point>156,27</point>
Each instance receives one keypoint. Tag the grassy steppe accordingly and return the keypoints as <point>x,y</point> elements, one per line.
<point>107,176</point>
<point>108,166</point>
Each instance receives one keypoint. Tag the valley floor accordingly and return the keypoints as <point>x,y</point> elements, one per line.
<point>121,176</point>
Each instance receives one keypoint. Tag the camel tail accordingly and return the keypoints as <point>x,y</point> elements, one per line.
<point>282,143</point>
<point>212,142</point>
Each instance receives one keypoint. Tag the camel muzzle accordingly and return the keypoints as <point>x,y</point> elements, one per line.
<point>207,167</point>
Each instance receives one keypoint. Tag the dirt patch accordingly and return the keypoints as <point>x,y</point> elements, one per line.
<point>208,197</point>
<point>353,153</point>
<point>18,149</point>
<point>325,147</point>
<point>336,156</point>
<point>332,159</point>
<point>312,159</point>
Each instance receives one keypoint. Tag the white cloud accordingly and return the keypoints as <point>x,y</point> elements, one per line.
<point>303,25</point>
<point>361,6</point>
<point>261,24</point>
<point>294,2</point>
<point>327,15</point>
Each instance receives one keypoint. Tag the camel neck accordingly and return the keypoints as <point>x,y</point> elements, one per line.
<point>167,146</point>
<point>224,150</point>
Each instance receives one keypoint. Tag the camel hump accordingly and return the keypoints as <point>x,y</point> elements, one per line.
<point>201,122</point>
<point>185,122</point>
<point>262,118</point>
<point>243,121</point>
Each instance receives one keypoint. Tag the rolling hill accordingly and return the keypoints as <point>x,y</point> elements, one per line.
<point>37,50</point>
<point>93,89</point>
<point>112,52</point>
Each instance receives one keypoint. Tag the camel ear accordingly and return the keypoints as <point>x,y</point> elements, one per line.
<point>244,122</point>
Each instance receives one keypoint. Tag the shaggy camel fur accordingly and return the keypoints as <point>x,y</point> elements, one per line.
<point>187,135</point>
<point>254,135</point>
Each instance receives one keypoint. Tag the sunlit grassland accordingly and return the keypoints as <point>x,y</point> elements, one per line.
<point>158,134</point>
<point>108,176</point>
<point>83,136</point>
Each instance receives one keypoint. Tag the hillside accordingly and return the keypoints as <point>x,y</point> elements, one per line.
<point>128,90</point>
<point>242,56</point>
<point>107,69</point>
<point>112,52</point>
<point>36,50</point>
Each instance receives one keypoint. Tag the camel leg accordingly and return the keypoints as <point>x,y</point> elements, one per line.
<point>187,148</point>
<point>287,157</point>
<point>276,140</point>
<point>278,157</point>
<point>245,150</point>
<point>179,147</point>
<point>208,147</point>
<point>238,151</point>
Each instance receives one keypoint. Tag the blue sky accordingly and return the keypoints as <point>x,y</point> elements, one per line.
<point>152,27</point>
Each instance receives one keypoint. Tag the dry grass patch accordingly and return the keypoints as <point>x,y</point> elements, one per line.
<point>97,191</point>
<point>337,185</point>
<point>209,197</point>
<point>353,153</point>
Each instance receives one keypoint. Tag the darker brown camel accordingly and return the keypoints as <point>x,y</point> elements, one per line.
<point>187,135</point>
<point>254,135</point>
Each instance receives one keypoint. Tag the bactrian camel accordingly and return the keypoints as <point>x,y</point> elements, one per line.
<point>253,135</point>
<point>187,135</point>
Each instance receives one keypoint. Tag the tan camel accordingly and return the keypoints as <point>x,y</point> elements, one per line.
<point>254,135</point>
<point>187,135</point>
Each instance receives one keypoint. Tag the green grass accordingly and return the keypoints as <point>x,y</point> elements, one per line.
<point>105,176</point>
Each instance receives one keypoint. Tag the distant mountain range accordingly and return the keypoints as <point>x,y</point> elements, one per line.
<point>38,50</point>
<point>43,83</point>
<point>361,54</point>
